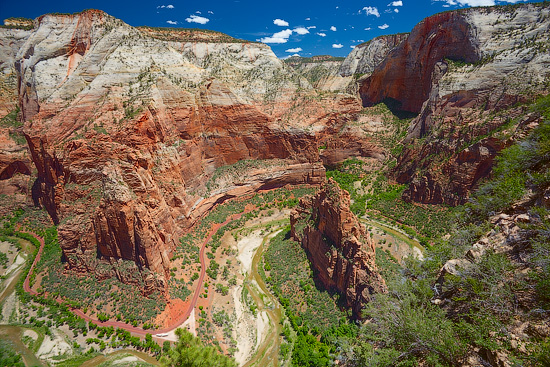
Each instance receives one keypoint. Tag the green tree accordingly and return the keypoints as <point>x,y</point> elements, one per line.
<point>190,352</point>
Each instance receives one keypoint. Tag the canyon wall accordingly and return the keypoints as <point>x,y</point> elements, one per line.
<point>338,246</point>
<point>15,162</point>
<point>364,58</point>
<point>468,74</point>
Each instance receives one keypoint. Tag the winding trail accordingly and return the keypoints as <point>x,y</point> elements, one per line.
<point>134,329</point>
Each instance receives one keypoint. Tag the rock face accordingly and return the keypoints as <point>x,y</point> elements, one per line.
<point>322,72</point>
<point>470,108</point>
<point>333,74</point>
<point>15,162</point>
<point>130,131</point>
<point>339,248</point>
<point>364,58</point>
<point>406,73</point>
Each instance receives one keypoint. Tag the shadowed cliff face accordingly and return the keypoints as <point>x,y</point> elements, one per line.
<point>340,250</point>
<point>406,74</point>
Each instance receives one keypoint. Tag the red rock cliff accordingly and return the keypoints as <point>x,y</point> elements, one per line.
<point>405,75</point>
<point>340,250</point>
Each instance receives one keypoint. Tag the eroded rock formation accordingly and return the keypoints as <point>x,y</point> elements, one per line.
<point>467,73</point>
<point>364,58</point>
<point>15,162</point>
<point>340,250</point>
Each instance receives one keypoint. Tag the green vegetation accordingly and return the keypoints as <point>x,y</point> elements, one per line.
<point>320,326</point>
<point>190,352</point>
<point>489,295</point>
<point>10,120</point>
<point>189,35</point>
<point>382,200</point>
<point>8,356</point>
<point>297,60</point>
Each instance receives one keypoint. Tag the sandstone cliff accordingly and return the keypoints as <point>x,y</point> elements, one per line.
<point>15,162</point>
<point>334,74</point>
<point>322,72</point>
<point>340,250</point>
<point>467,73</point>
<point>364,58</point>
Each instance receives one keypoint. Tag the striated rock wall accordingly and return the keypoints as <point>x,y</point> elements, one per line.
<point>406,73</point>
<point>364,58</point>
<point>467,74</point>
<point>15,162</point>
<point>340,250</point>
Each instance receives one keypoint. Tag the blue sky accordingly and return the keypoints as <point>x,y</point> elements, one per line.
<point>305,27</point>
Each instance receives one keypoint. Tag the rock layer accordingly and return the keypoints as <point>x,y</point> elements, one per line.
<point>467,73</point>
<point>340,250</point>
<point>364,58</point>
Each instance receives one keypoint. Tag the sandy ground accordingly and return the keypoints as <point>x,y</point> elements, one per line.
<point>11,304</point>
<point>10,251</point>
<point>54,346</point>
<point>250,330</point>
<point>245,329</point>
<point>188,324</point>
<point>247,248</point>
<point>127,360</point>
<point>12,270</point>
<point>31,333</point>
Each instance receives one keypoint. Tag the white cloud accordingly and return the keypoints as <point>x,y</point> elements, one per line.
<point>396,3</point>
<point>333,28</point>
<point>196,19</point>
<point>368,29</point>
<point>295,55</point>
<point>308,18</point>
<point>321,34</point>
<point>383,26</point>
<point>371,10</point>
<point>165,6</point>
<point>173,22</point>
<point>279,37</point>
<point>210,12</point>
<point>352,46</point>
<point>396,10</point>
<point>198,12</point>
<point>280,22</point>
<point>475,2</point>
<point>311,27</point>
<point>294,50</point>
<point>337,45</point>
<point>301,30</point>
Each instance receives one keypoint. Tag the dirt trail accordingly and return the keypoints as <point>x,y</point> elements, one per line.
<point>133,329</point>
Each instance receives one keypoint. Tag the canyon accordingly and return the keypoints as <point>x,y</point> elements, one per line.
<point>134,138</point>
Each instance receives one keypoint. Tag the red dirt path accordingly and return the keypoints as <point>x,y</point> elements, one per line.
<point>122,325</point>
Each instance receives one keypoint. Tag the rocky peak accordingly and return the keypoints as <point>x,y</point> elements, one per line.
<point>339,248</point>
<point>405,75</point>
